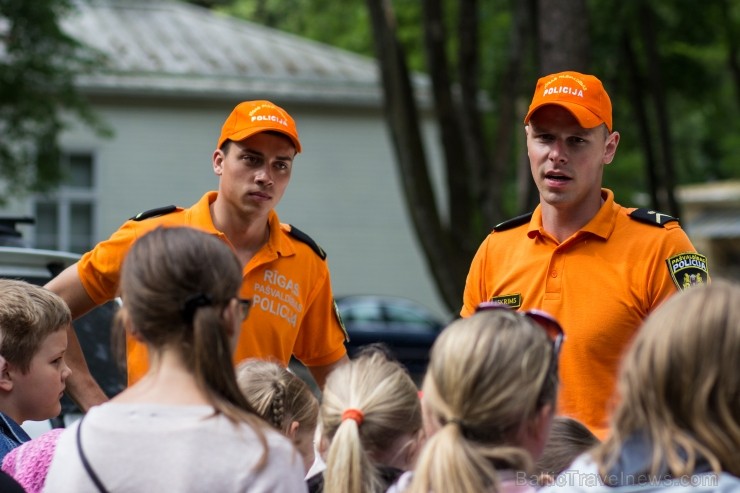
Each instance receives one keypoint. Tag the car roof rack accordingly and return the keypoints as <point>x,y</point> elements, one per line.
<point>9,234</point>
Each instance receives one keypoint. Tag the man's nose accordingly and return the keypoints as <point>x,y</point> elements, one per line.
<point>264,176</point>
<point>557,151</point>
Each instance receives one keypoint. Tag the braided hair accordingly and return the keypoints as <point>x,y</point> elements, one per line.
<point>276,413</point>
<point>277,395</point>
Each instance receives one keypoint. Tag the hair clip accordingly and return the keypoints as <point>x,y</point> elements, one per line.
<point>192,303</point>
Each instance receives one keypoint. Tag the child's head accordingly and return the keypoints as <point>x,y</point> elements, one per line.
<point>283,400</point>
<point>370,416</point>
<point>568,439</point>
<point>33,340</point>
<point>680,387</point>
<point>489,396</point>
<point>180,289</point>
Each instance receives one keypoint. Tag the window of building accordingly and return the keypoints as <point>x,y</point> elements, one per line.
<point>65,217</point>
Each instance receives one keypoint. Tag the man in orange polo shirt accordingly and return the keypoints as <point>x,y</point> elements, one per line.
<point>598,267</point>
<point>285,272</point>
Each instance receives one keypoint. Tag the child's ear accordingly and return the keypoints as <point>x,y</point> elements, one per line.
<point>6,382</point>
<point>323,447</point>
<point>414,448</point>
<point>538,428</point>
<point>128,326</point>
<point>293,429</point>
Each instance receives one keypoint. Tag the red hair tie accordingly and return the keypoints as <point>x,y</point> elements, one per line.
<point>354,414</point>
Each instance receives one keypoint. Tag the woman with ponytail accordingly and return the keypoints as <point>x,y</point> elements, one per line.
<point>185,426</point>
<point>489,398</point>
<point>370,425</point>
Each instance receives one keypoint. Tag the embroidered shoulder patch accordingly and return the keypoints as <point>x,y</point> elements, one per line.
<point>303,237</point>
<point>159,211</point>
<point>512,300</point>
<point>341,322</point>
<point>688,269</point>
<point>651,217</point>
<point>513,222</point>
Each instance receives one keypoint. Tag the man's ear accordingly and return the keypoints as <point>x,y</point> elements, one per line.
<point>6,382</point>
<point>217,160</point>
<point>612,141</point>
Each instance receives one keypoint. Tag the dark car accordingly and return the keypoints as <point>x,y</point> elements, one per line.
<point>406,327</point>
<point>18,261</point>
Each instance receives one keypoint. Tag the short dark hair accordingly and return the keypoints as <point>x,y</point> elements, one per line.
<point>568,439</point>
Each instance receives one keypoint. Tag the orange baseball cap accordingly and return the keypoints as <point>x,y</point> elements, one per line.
<point>253,117</point>
<point>583,95</point>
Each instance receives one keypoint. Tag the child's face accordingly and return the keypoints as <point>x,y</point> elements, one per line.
<point>39,389</point>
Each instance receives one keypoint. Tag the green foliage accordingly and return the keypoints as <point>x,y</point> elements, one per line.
<point>692,47</point>
<point>38,66</point>
<point>701,94</point>
<point>343,24</point>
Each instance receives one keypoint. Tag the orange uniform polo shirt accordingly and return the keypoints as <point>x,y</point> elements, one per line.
<point>293,306</point>
<point>600,284</point>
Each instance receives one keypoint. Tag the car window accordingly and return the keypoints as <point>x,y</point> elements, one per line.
<point>362,312</point>
<point>409,317</point>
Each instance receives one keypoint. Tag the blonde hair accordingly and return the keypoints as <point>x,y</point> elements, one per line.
<point>679,385</point>
<point>28,314</point>
<point>488,375</point>
<point>277,395</point>
<point>385,394</point>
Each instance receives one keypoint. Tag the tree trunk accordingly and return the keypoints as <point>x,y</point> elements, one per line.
<point>470,116</point>
<point>508,123</point>
<point>636,92</point>
<point>446,264</point>
<point>657,91</point>
<point>457,158</point>
<point>733,58</point>
<point>563,36</point>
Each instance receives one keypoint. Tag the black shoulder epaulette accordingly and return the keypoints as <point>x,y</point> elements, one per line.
<point>513,222</point>
<point>651,217</point>
<point>159,211</point>
<point>303,237</point>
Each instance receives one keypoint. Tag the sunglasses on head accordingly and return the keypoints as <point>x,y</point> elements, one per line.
<point>547,322</point>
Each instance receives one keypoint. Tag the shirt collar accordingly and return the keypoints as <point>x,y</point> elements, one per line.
<point>278,241</point>
<point>200,217</point>
<point>200,214</point>
<point>601,225</point>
